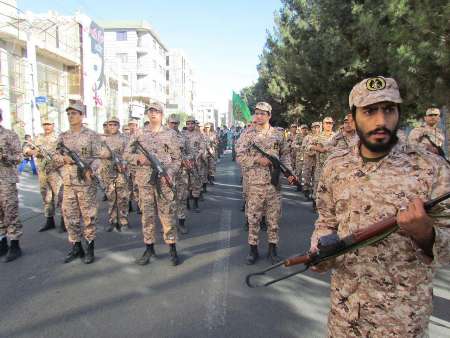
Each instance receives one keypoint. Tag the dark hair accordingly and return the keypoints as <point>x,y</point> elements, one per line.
<point>353,111</point>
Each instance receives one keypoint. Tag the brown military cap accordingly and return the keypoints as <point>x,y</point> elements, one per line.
<point>303,126</point>
<point>132,121</point>
<point>264,106</point>
<point>47,121</point>
<point>78,106</point>
<point>156,106</point>
<point>433,111</point>
<point>114,119</point>
<point>374,90</point>
<point>328,119</point>
<point>174,118</point>
<point>315,124</point>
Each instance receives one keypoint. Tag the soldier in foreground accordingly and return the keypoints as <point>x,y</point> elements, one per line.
<point>79,191</point>
<point>113,171</point>
<point>50,179</point>
<point>263,195</point>
<point>429,132</point>
<point>385,289</point>
<point>10,225</point>
<point>156,196</point>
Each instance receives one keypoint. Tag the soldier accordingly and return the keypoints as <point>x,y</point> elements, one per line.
<point>203,164</point>
<point>113,171</point>
<point>299,152</point>
<point>133,188</point>
<point>318,146</point>
<point>50,179</point>
<point>309,160</point>
<point>212,143</point>
<point>197,146</point>
<point>10,225</point>
<point>263,198</point>
<point>155,193</point>
<point>182,176</point>
<point>343,139</point>
<point>428,132</point>
<point>291,137</point>
<point>126,130</point>
<point>79,193</point>
<point>383,289</point>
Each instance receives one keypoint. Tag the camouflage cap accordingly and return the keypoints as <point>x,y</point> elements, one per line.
<point>114,119</point>
<point>303,126</point>
<point>209,125</point>
<point>294,125</point>
<point>78,106</point>
<point>433,111</point>
<point>173,118</point>
<point>154,105</point>
<point>264,106</point>
<point>315,124</point>
<point>328,119</point>
<point>374,90</point>
<point>47,121</point>
<point>190,118</point>
<point>132,121</point>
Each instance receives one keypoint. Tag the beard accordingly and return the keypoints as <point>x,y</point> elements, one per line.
<point>378,147</point>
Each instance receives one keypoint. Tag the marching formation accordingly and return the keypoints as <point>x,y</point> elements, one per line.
<point>356,176</point>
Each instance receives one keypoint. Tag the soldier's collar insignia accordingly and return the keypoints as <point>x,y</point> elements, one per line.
<point>375,83</point>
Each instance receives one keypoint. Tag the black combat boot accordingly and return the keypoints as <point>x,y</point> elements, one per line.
<point>49,224</point>
<point>272,254</point>
<point>243,206</point>
<point>76,252</point>
<point>204,188</point>
<point>299,187</point>
<point>3,246</point>
<point>14,251</point>
<point>89,258</point>
<point>196,209</point>
<point>188,204</point>
<point>181,226</point>
<point>118,227</point>
<point>314,206</point>
<point>252,255</point>
<point>263,224</point>
<point>246,225</point>
<point>307,194</point>
<point>173,255</point>
<point>211,180</point>
<point>130,206</point>
<point>62,226</point>
<point>145,258</point>
<point>109,227</point>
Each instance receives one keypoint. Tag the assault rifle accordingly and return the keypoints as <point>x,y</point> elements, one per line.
<point>277,167</point>
<point>82,167</point>
<point>439,149</point>
<point>331,246</point>
<point>158,169</point>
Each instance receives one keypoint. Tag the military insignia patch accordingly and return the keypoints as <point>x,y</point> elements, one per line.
<point>166,148</point>
<point>275,146</point>
<point>84,151</point>
<point>375,83</point>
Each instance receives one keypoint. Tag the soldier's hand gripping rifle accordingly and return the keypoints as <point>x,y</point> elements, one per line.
<point>277,167</point>
<point>331,246</point>
<point>47,158</point>
<point>82,167</point>
<point>439,150</point>
<point>158,169</point>
<point>118,164</point>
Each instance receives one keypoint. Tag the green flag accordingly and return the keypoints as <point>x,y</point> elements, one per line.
<point>241,112</point>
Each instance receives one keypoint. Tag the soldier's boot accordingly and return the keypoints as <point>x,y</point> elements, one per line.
<point>314,206</point>
<point>211,180</point>
<point>118,227</point>
<point>272,254</point>
<point>89,258</point>
<point>130,206</point>
<point>14,251</point>
<point>3,246</point>
<point>181,226</point>
<point>76,252</point>
<point>105,198</point>
<point>173,255</point>
<point>307,194</point>
<point>49,224</point>
<point>252,255</point>
<point>196,208</point>
<point>299,187</point>
<point>246,227</point>
<point>243,206</point>
<point>263,224</point>
<point>62,226</point>
<point>201,198</point>
<point>145,258</point>
<point>204,188</point>
<point>109,227</point>
<point>188,204</point>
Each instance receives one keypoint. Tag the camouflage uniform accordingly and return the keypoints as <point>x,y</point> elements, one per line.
<point>197,145</point>
<point>164,144</point>
<point>299,155</point>
<point>182,176</point>
<point>291,140</point>
<point>212,142</point>
<point>116,184</point>
<point>341,141</point>
<point>321,139</point>
<point>50,180</point>
<point>263,198</point>
<point>309,163</point>
<point>385,289</point>
<point>79,195</point>
<point>11,156</point>
<point>417,136</point>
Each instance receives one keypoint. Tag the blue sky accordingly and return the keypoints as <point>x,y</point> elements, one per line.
<point>223,39</point>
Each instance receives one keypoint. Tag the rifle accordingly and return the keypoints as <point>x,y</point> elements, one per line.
<point>158,169</point>
<point>191,171</point>
<point>277,167</point>
<point>47,158</point>
<point>82,167</point>
<point>439,149</point>
<point>331,246</point>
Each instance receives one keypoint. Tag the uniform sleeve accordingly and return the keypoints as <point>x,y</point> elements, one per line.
<point>14,156</point>
<point>441,215</point>
<point>175,154</point>
<point>130,154</point>
<point>98,151</point>
<point>414,137</point>
<point>327,222</point>
<point>285,154</point>
<point>243,154</point>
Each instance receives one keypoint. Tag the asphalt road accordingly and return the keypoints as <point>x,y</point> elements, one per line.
<point>205,296</point>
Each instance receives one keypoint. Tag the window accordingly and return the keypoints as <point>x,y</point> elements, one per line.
<point>121,36</point>
<point>123,57</point>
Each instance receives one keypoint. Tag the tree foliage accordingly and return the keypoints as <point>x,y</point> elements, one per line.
<point>320,48</point>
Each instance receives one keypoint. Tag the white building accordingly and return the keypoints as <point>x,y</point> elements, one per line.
<point>180,77</point>
<point>207,112</point>
<point>142,63</point>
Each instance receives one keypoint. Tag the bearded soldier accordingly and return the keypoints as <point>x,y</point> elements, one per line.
<point>384,289</point>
